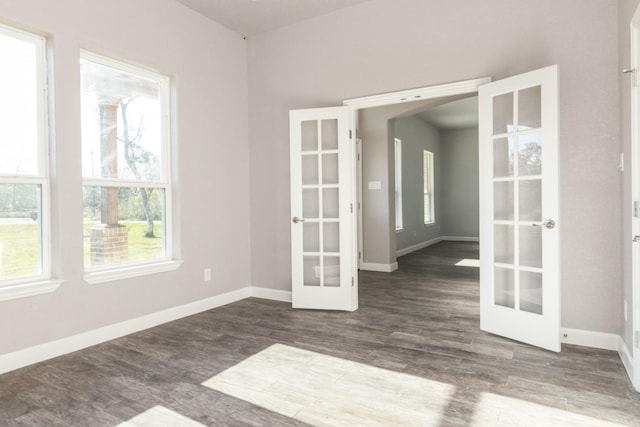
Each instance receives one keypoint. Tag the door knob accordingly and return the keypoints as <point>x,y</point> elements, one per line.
<point>548,223</point>
<point>297,220</point>
<point>636,239</point>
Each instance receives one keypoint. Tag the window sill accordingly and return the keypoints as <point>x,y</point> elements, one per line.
<point>129,272</point>
<point>28,289</point>
<point>399,230</point>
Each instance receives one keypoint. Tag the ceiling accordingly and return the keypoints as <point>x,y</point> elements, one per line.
<point>249,17</point>
<point>453,115</point>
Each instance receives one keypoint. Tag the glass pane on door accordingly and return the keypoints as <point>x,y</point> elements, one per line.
<point>309,135</point>
<point>504,287</point>
<point>502,113</point>
<point>311,271</point>
<point>531,292</point>
<point>530,108</point>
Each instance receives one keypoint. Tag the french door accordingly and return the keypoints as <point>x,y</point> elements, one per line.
<point>519,227</point>
<point>322,219</point>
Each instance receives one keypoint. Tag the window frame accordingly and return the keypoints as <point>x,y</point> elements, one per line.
<point>428,186</point>
<point>167,262</point>
<point>25,286</point>
<point>398,183</point>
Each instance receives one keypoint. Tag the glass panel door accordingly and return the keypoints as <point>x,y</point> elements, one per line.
<point>323,266</point>
<point>519,208</point>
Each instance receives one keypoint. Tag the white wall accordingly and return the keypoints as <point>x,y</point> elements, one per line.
<point>208,65</point>
<point>459,175</point>
<point>381,46</point>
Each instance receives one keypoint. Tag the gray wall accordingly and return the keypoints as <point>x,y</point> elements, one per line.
<point>208,65</point>
<point>417,136</point>
<point>626,10</point>
<point>459,176</point>
<point>322,61</point>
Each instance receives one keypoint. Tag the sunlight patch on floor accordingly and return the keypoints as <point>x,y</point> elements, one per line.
<point>324,390</point>
<point>327,391</point>
<point>467,262</point>
<point>160,416</point>
<point>514,412</point>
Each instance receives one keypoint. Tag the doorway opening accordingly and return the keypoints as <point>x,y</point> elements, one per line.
<point>418,161</point>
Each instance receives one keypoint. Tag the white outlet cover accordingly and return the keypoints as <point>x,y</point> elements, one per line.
<point>375,185</point>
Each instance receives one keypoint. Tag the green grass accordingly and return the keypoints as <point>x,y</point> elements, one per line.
<point>19,248</point>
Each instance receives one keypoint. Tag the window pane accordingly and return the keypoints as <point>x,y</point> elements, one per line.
<point>121,124</point>
<point>20,230</point>
<point>18,107</point>
<point>427,178</point>
<point>123,224</point>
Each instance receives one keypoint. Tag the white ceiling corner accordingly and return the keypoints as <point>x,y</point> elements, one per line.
<point>250,17</point>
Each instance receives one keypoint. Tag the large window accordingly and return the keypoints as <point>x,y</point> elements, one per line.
<point>125,164</point>
<point>429,204</point>
<point>24,184</point>
<point>398,164</point>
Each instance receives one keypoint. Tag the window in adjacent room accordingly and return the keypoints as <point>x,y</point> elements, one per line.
<point>398,164</point>
<point>429,205</point>
<point>24,169</point>
<point>125,165</point>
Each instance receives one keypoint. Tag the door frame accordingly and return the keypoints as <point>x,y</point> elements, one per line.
<point>465,87</point>
<point>635,198</point>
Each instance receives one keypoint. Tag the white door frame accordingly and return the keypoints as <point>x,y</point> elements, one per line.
<point>635,198</point>
<point>394,98</point>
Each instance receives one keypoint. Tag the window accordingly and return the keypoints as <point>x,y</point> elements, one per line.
<point>398,160</point>
<point>24,174</point>
<point>429,206</point>
<point>125,166</point>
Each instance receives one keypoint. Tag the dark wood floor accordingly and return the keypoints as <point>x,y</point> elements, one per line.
<point>422,320</point>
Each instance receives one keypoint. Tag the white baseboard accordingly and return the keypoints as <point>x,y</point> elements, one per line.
<point>460,239</point>
<point>39,353</point>
<point>591,339</point>
<point>422,245</point>
<point>418,246</point>
<point>271,294</point>
<point>384,268</point>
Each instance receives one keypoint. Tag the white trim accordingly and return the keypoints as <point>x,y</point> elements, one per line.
<point>271,294</point>
<point>39,353</point>
<point>422,245</point>
<point>635,194</point>
<point>411,95</point>
<point>28,289</point>
<point>627,360</point>
<point>417,247</point>
<point>129,272</point>
<point>383,268</point>
<point>590,339</point>
<point>460,239</point>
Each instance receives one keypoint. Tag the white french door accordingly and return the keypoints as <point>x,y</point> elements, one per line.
<point>519,227</point>
<point>322,218</point>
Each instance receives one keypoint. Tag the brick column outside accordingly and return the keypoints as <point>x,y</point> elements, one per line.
<point>109,244</point>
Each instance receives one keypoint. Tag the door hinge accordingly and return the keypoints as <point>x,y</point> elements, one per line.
<point>351,207</point>
<point>350,134</point>
<point>359,255</point>
<point>353,282</point>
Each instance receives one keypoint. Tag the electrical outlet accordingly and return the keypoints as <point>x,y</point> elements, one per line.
<point>207,274</point>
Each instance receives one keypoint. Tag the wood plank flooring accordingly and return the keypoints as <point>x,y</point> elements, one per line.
<point>422,320</point>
